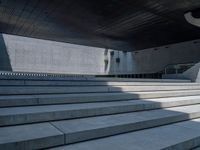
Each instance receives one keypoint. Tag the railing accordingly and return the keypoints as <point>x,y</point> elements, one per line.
<point>42,76</point>
<point>51,76</point>
<point>169,69</point>
<point>142,76</point>
<point>177,68</point>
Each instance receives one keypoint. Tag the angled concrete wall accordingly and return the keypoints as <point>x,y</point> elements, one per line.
<point>4,57</point>
<point>35,55</point>
<point>193,73</point>
<point>22,54</point>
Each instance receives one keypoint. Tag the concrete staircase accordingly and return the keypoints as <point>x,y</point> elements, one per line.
<point>99,114</point>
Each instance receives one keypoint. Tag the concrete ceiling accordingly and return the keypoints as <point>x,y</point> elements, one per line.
<point>117,24</point>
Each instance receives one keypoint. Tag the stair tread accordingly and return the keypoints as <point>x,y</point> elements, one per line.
<point>2,97</point>
<point>122,113</point>
<point>6,90</point>
<point>45,99</point>
<point>177,136</point>
<point>69,126</point>
<point>86,83</point>
<point>98,79</point>
<point>140,120</point>
<point>51,108</point>
<point>16,137</point>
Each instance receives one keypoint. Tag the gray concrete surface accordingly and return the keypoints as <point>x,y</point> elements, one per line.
<point>91,128</point>
<point>51,134</point>
<point>169,137</point>
<point>25,100</point>
<point>22,115</point>
<point>34,55</point>
<point>34,136</point>
<point>154,59</point>
<point>93,115</point>
<point>88,83</point>
<point>193,73</point>
<point>5,63</point>
<point>17,90</point>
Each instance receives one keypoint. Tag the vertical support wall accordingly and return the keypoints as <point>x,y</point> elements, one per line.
<point>22,54</point>
<point>5,63</point>
<point>35,55</point>
<point>153,60</point>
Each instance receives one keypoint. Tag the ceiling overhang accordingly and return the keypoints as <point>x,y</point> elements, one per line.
<point>122,25</point>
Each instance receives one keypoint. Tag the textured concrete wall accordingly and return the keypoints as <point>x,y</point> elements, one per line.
<point>4,57</point>
<point>193,73</point>
<point>155,59</point>
<point>35,55</point>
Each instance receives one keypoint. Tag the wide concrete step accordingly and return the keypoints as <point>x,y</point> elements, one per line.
<point>86,83</point>
<point>78,130</point>
<point>29,137</point>
<point>17,90</point>
<point>177,136</point>
<point>141,80</point>
<point>27,100</point>
<point>23,115</point>
<point>44,135</point>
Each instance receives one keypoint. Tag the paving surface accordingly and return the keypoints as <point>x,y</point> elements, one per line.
<point>179,136</point>
<point>100,115</point>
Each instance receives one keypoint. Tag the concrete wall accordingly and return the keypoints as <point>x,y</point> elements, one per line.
<point>4,57</point>
<point>35,55</point>
<point>193,73</point>
<point>156,59</point>
<point>22,54</point>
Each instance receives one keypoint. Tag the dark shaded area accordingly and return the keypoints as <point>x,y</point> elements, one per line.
<point>196,13</point>
<point>121,25</point>
<point>4,58</point>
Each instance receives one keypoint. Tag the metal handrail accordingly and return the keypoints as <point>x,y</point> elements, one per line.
<point>34,75</point>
